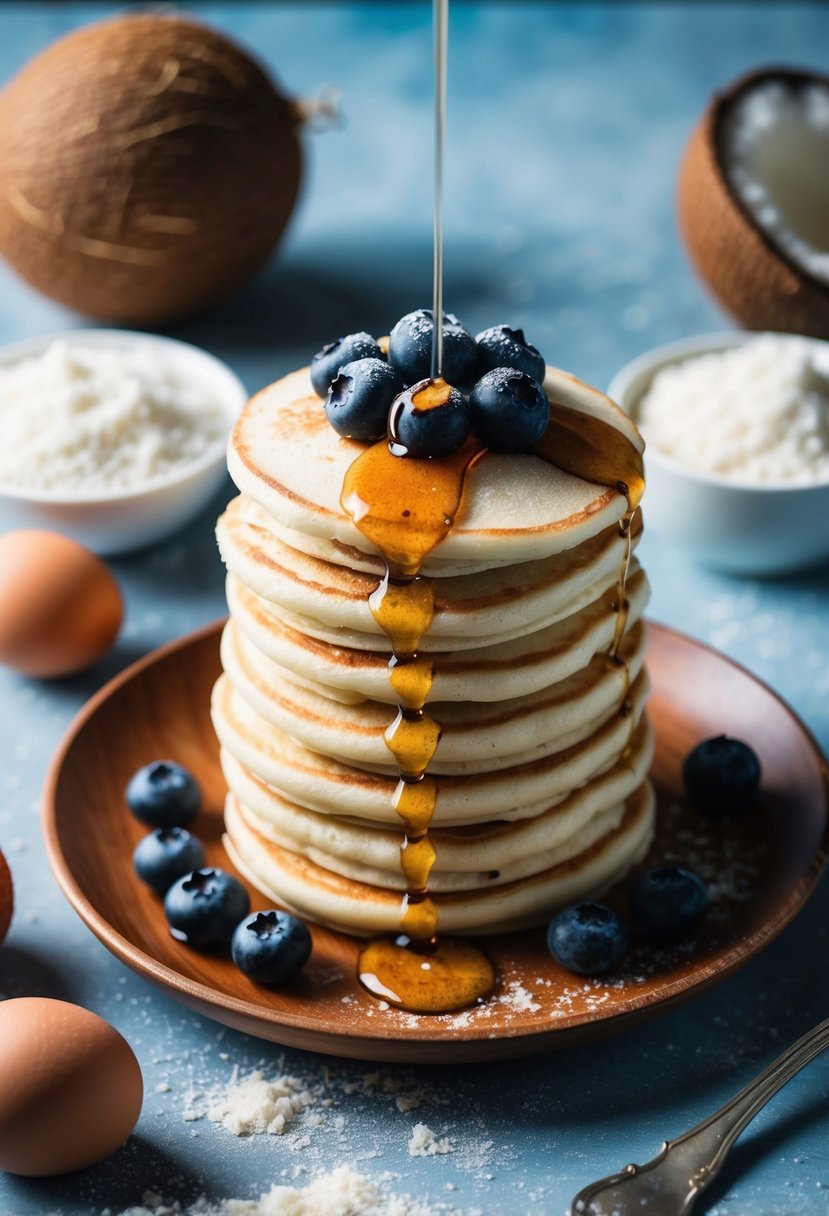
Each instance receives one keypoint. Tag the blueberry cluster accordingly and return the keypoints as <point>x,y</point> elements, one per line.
<point>665,903</point>
<point>206,907</point>
<point>493,388</point>
<point>721,778</point>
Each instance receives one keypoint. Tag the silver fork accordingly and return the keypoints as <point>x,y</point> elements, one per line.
<point>670,1183</point>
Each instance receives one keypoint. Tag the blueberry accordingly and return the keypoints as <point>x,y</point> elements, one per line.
<point>587,938</point>
<point>410,348</point>
<point>163,795</point>
<point>165,855</point>
<point>510,410</point>
<point>429,419</point>
<point>203,908</point>
<point>722,777</point>
<point>328,361</point>
<point>271,947</point>
<point>358,400</point>
<point>667,902</point>
<point>501,346</point>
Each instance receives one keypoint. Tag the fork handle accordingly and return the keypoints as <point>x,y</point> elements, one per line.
<point>705,1147</point>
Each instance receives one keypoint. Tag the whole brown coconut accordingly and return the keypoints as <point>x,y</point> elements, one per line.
<point>757,281</point>
<point>147,168</point>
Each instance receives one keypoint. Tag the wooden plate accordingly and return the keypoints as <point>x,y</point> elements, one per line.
<point>761,870</point>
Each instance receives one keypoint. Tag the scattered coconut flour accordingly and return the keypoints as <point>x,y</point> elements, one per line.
<point>424,1143</point>
<point>757,413</point>
<point>339,1193</point>
<point>272,1103</point>
<point>88,420</point>
<point>331,1108</point>
<point>258,1104</point>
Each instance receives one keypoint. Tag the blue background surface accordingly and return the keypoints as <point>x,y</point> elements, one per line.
<point>566,123</point>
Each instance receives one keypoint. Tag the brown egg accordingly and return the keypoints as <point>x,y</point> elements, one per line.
<point>6,898</point>
<point>754,266</point>
<point>60,606</point>
<point>71,1088</point>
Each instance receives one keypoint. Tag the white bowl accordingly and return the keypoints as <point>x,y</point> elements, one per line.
<point>114,522</point>
<point>735,526</point>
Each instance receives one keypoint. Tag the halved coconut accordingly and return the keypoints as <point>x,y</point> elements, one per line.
<point>754,200</point>
<point>6,897</point>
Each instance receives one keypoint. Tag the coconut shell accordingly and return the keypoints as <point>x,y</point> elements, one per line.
<point>748,274</point>
<point>147,168</point>
<point>6,898</point>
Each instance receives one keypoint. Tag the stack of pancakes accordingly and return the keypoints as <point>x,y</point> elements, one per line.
<point>542,763</point>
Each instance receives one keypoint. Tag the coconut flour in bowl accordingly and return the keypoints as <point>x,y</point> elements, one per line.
<point>85,421</point>
<point>757,413</point>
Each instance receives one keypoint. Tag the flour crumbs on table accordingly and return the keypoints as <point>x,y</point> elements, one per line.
<point>258,1104</point>
<point>339,1193</point>
<point>424,1143</point>
<point>321,1109</point>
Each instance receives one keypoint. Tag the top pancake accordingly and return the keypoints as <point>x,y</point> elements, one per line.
<point>287,458</point>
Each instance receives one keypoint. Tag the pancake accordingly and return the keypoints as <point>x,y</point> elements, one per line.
<point>442,881</point>
<point>497,850</point>
<point>286,457</point>
<point>327,549</point>
<point>488,673</point>
<point>470,610</point>
<point>344,903</point>
<point>474,736</point>
<point>323,784</point>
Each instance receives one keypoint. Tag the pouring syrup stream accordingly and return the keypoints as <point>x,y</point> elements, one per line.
<point>440,20</point>
<point>416,970</point>
<point>405,506</point>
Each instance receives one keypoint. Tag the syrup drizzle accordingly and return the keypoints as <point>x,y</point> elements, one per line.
<point>405,506</point>
<point>593,450</point>
<point>440,24</point>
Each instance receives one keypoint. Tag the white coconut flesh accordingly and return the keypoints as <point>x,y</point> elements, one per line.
<point>774,142</point>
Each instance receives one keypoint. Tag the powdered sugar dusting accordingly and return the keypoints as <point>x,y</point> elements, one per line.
<point>517,997</point>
